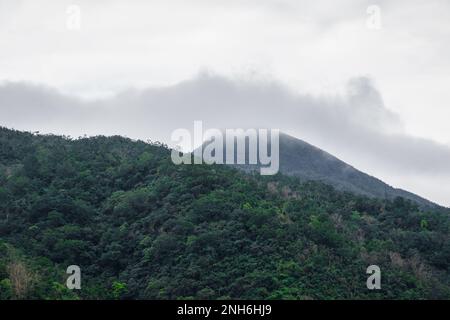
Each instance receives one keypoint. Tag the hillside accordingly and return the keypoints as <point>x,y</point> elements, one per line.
<point>307,162</point>
<point>140,227</point>
<point>301,159</point>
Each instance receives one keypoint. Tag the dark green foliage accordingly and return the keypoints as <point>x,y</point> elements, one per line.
<point>141,227</point>
<point>300,159</point>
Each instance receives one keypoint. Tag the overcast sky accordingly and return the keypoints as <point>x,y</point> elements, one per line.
<point>374,92</point>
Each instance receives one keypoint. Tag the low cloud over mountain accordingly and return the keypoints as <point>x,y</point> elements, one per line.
<point>355,126</point>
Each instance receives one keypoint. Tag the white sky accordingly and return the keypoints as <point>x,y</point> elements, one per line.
<point>311,46</point>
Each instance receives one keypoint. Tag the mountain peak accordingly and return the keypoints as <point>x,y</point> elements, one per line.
<point>307,162</point>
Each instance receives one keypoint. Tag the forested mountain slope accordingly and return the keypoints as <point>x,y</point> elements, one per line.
<point>140,227</point>
<point>307,162</point>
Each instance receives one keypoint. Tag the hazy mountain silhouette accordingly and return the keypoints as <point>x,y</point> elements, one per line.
<point>301,159</point>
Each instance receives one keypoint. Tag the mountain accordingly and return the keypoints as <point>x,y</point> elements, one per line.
<point>307,162</point>
<point>140,227</point>
<point>301,159</point>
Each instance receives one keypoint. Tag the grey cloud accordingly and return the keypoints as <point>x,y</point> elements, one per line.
<point>356,127</point>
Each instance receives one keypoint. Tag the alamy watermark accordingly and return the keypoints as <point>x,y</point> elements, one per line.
<point>373,21</point>
<point>230,146</point>
<point>374,280</point>
<point>73,21</point>
<point>74,279</point>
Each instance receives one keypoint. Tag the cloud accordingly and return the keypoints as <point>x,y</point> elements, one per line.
<point>310,45</point>
<point>355,126</point>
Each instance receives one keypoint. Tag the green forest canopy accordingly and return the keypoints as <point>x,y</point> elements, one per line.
<point>140,227</point>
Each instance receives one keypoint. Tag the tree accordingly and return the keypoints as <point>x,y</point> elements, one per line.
<point>21,279</point>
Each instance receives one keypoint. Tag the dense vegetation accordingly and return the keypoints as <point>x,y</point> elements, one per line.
<point>141,227</point>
